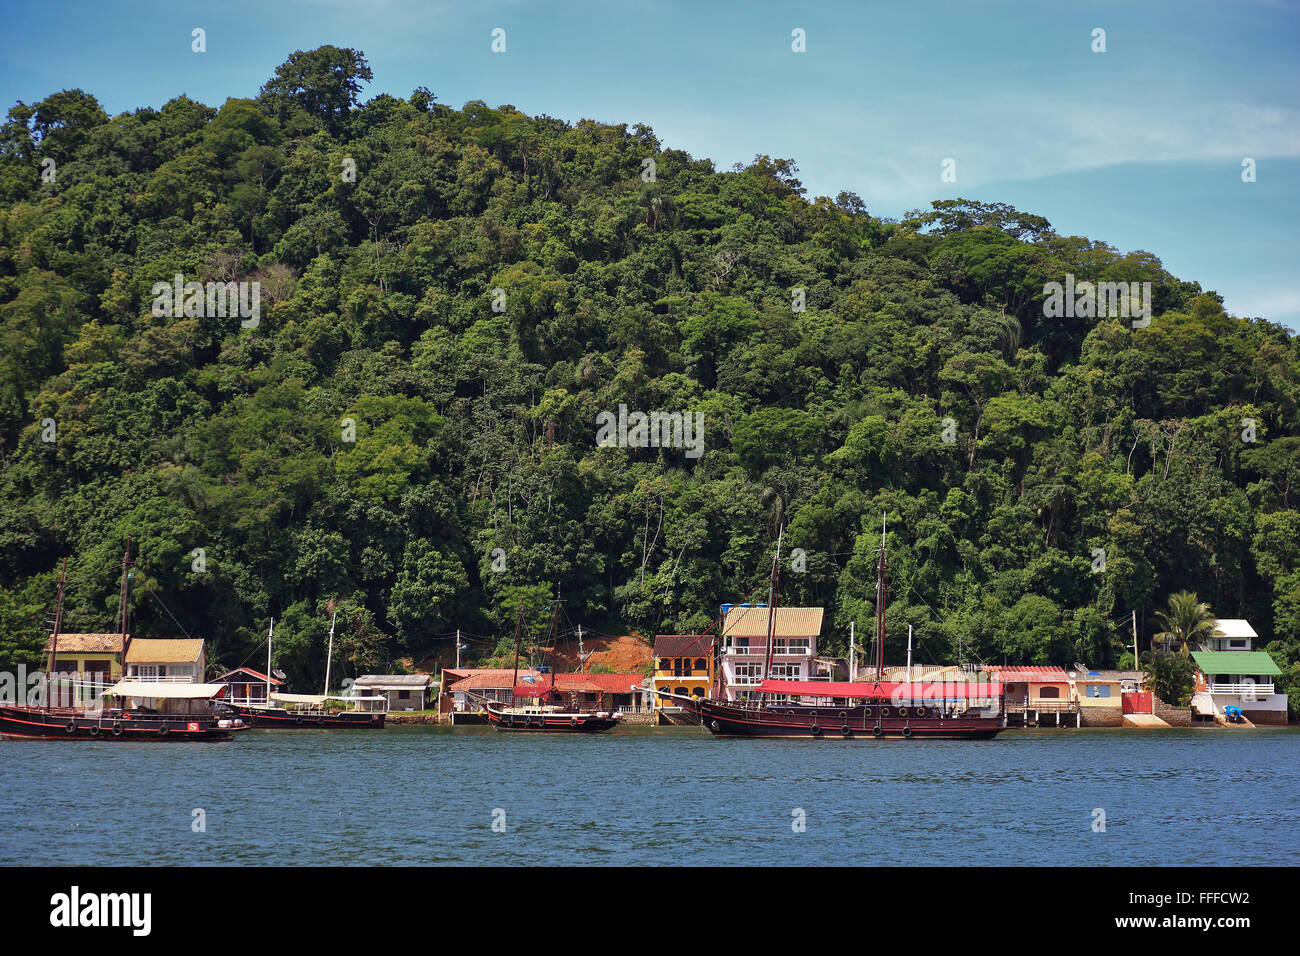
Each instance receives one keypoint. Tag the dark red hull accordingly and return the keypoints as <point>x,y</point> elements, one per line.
<point>561,723</point>
<point>863,722</point>
<point>278,719</point>
<point>31,723</point>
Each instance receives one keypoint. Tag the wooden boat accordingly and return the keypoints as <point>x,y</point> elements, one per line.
<point>529,711</point>
<point>854,710</point>
<point>116,723</point>
<point>308,711</point>
<point>175,712</point>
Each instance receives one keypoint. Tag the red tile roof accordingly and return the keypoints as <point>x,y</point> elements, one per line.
<point>1031,675</point>
<point>569,683</point>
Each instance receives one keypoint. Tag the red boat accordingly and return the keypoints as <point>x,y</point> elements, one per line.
<point>167,711</point>
<point>853,710</point>
<point>67,723</point>
<point>549,719</point>
<point>530,712</point>
<point>856,710</point>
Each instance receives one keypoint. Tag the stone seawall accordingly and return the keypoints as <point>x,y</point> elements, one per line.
<point>1101,717</point>
<point>414,718</point>
<point>638,720</point>
<point>1171,715</point>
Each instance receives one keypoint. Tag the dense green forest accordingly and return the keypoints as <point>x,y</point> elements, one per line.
<point>399,437</point>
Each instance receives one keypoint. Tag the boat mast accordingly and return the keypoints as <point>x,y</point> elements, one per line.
<point>125,596</point>
<point>555,637</point>
<point>514,679</point>
<point>269,635</point>
<point>880,605</point>
<point>54,635</point>
<point>329,653</point>
<point>771,603</point>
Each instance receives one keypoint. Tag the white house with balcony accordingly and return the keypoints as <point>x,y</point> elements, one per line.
<point>176,661</point>
<point>1232,673</point>
<point>744,647</point>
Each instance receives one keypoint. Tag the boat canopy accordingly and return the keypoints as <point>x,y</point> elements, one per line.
<point>316,698</point>
<point>165,690</point>
<point>917,690</point>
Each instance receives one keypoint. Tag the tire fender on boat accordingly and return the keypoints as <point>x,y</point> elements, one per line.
<point>573,721</point>
<point>94,730</point>
<point>815,730</point>
<point>846,730</point>
<point>117,728</point>
<point>717,727</point>
<point>320,721</point>
<point>71,727</point>
<point>877,731</point>
<point>907,732</point>
<point>162,731</point>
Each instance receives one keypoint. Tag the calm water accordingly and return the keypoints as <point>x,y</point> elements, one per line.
<point>423,795</point>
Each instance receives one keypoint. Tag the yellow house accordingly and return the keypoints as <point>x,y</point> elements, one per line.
<point>683,665</point>
<point>88,662</point>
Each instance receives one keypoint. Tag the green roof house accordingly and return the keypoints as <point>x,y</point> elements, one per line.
<point>1238,676</point>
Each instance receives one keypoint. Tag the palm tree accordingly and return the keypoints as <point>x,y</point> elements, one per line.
<point>1188,622</point>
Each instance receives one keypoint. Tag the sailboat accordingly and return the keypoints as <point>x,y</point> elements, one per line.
<point>853,710</point>
<point>178,711</point>
<point>533,708</point>
<point>310,711</point>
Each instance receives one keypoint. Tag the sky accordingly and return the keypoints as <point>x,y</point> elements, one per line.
<point>1140,146</point>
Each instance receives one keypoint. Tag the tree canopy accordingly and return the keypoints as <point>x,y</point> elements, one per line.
<point>449,299</point>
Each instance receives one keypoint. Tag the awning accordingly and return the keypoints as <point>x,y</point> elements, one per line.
<point>165,690</point>
<point>298,698</point>
<point>927,690</point>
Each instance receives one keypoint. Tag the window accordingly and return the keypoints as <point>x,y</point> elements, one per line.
<point>403,695</point>
<point>1237,642</point>
<point>699,664</point>
<point>1098,690</point>
<point>1049,693</point>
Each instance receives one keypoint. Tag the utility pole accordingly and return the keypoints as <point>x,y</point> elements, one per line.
<point>457,648</point>
<point>1135,640</point>
<point>853,660</point>
<point>582,661</point>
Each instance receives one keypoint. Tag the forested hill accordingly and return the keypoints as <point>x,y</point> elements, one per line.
<point>485,285</point>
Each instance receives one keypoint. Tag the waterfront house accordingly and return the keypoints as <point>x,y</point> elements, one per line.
<point>683,665</point>
<point>248,687</point>
<point>1037,695</point>
<point>1105,696</point>
<point>744,647</point>
<point>626,692</point>
<point>88,663</point>
<point>1231,634</point>
<point>175,660</point>
<point>404,691</point>
<point>1238,678</point>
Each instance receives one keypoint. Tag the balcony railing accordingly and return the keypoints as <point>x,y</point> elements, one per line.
<point>1243,690</point>
<point>164,679</point>
<point>777,651</point>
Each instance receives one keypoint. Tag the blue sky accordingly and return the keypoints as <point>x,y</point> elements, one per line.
<point>1140,146</point>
